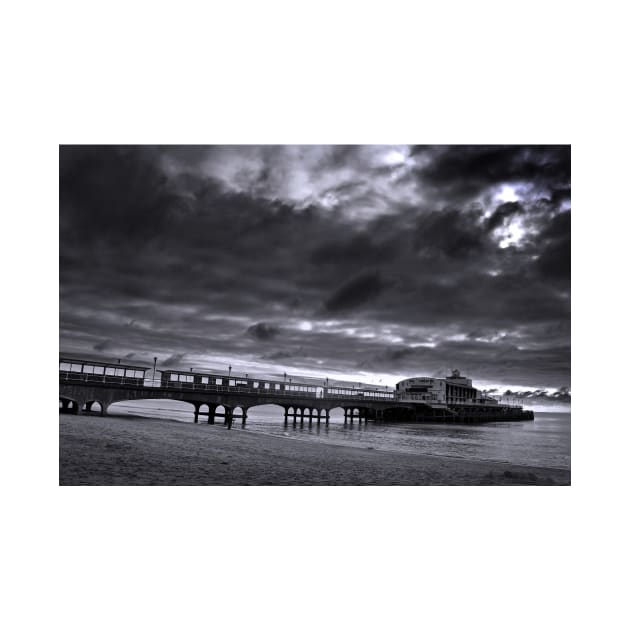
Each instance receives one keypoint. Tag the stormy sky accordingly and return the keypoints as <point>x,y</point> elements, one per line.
<point>364,263</point>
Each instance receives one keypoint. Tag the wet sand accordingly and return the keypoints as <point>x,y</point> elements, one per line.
<point>123,451</point>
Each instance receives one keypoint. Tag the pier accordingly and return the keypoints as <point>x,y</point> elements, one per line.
<point>82,384</point>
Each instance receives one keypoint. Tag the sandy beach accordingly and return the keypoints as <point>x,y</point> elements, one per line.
<point>113,450</point>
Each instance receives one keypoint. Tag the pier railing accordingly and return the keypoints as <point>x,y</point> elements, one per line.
<point>78,377</point>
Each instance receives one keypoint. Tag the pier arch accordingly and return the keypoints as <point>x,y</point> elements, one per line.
<point>69,405</point>
<point>265,410</point>
<point>94,406</point>
<point>171,409</point>
<point>336,414</point>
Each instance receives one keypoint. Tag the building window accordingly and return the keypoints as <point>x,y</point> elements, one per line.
<point>88,369</point>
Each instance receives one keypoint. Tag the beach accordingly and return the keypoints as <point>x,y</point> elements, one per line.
<point>122,450</point>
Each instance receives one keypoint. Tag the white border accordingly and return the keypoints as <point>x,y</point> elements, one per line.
<point>327,73</point>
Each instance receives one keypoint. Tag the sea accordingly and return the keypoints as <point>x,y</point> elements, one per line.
<point>544,442</point>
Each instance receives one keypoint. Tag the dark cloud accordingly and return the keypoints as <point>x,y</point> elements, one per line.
<point>360,249</point>
<point>279,355</point>
<point>502,213</point>
<point>355,292</point>
<point>175,360</point>
<point>103,345</point>
<point>462,173</point>
<point>262,331</point>
<point>450,233</point>
<point>555,243</point>
<point>113,191</point>
<point>342,259</point>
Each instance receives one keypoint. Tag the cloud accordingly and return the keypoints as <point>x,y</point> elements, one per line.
<point>174,360</point>
<point>555,244</point>
<point>103,345</point>
<point>462,174</point>
<point>357,250</point>
<point>502,213</point>
<point>450,233</point>
<point>562,395</point>
<point>277,356</point>
<point>176,251</point>
<point>263,331</point>
<point>355,292</point>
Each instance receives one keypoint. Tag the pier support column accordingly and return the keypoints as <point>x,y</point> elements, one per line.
<point>229,418</point>
<point>319,416</point>
<point>286,416</point>
<point>327,416</point>
<point>310,417</point>
<point>196,420</point>
<point>301,415</point>
<point>244,420</point>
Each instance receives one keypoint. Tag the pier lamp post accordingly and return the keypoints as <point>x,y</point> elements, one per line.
<point>285,377</point>
<point>154,367</point>
<point>229,371</point>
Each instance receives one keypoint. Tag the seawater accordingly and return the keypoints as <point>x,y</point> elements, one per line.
<point>545,442</point>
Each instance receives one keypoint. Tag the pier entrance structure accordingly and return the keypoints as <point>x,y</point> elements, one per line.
<point>83,383</point>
